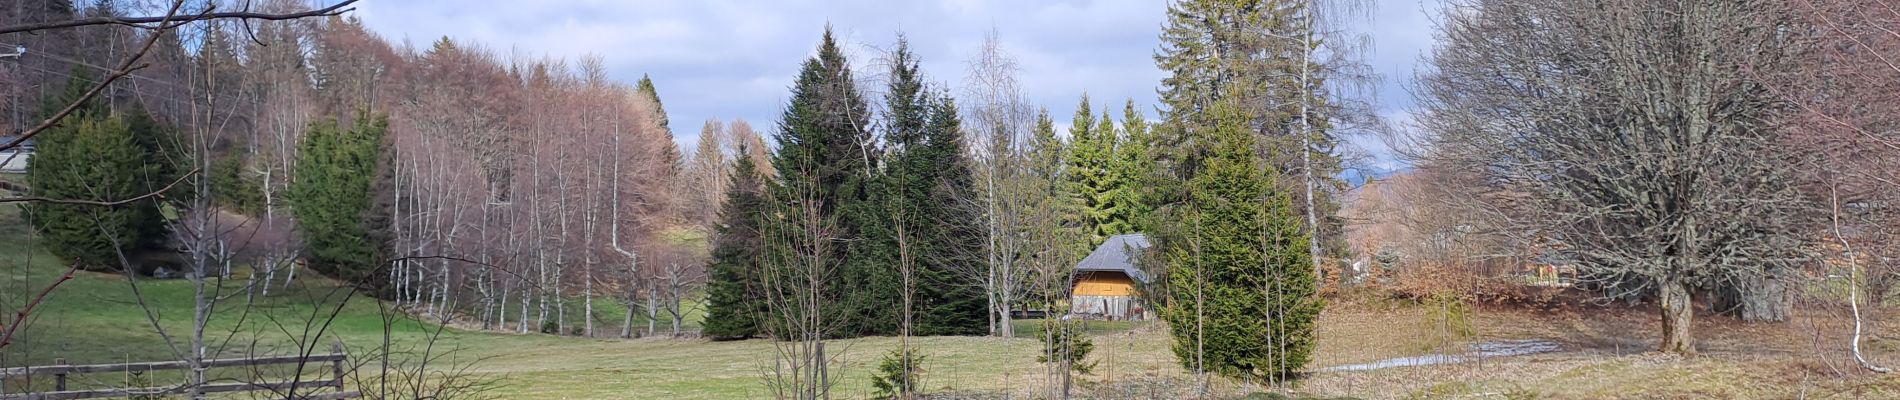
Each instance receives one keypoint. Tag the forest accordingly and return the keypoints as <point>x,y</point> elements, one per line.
<point>1594,198</point>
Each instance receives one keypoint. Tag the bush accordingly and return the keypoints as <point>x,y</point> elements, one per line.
<point>899,374</point>
<point>95,158</point>
<point>1447,321</point>
<point>1056,333</point>
<point>1488,284</point>
<point>233,189</point>
<point>332,197</point>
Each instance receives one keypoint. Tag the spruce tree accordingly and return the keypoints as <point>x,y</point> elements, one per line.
<point>734,302</point>
<point>234,189</point>
<point>1249,50</point>
<point>1136,171</point>
<point>824,160</point>
<point>822,131</point>
<point>337,169</point>
<point>950,306</point>
<point>1243,298</point>
<point>645,87</point>
<point>93,158</point>
<point>99,155</point>
<point>1091,183</point>
<point>923,178</point>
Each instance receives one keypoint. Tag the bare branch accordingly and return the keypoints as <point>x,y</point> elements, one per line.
<point>156,193</point>
<point>125,68</point>
<point>169,18</point>
<point>20,317</point>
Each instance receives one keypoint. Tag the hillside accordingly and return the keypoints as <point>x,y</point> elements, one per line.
<point>1603,350</point>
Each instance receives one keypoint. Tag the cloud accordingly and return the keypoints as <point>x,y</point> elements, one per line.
<point>730,59</point>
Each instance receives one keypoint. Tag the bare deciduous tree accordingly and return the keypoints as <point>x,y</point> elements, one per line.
<point>999,119</point>
<point>1642,149</point>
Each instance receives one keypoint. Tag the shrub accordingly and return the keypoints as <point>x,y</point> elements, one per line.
<point>1056,333</point>
<point>898,374</point>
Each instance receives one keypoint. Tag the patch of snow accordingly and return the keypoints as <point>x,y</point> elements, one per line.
<point>1482,350</point>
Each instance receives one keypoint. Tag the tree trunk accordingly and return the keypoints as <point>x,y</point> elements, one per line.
<point>1006,325</point>
<point>653,314</point>
<point>1677,309</point>
<point>626,327</point>
<point>588,313</point>
<point>1757,299</point>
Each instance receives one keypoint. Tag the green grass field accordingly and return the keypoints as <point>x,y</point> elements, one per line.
<point>97,318</point>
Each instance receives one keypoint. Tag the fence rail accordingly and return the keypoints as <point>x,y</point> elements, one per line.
<point>60,371</point>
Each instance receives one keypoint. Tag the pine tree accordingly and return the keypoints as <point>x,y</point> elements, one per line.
<point>91,157</point>
<point>671,153</point>
<point>337,169</point>
<point>924,177</point>
<point>98,155</point>
<point>824,161</point>
<point>1251,51</point>
<point>1243,294</point>
<point>1091,183</point>
<point>734,303</point>
<point>1135,171</point>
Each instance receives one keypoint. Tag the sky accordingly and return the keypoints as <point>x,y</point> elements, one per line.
<point>727,59</point>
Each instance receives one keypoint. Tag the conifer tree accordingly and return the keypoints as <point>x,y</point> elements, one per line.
<point>1088,176</point>
<point>645,87</point>
<point>1136,171</point>
<point>821,134</point>
<point>337,169</point>
<point>954,239</point>
<point>91,157</point>
<point>1256,52</point>
<point>824,160</point>
<point>101,155</point>
<point>1242,290</point>
<point>234,189</point>
<point>923,177</point>
<point>734,304</point>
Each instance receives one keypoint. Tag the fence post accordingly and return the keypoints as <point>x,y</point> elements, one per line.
<point>336,367</point>
<point>824,378</point>
<point>59,379</point>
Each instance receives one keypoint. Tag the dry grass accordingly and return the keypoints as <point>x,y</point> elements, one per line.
<point>1606,354</point>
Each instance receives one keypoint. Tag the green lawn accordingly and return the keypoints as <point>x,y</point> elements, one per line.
<point>96,318</point>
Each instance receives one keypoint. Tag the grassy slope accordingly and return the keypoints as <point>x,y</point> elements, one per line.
<point>94,319</point>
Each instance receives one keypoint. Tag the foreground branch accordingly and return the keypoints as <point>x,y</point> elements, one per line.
<point>334,9</point>
<point>19,318</point>
<point>156,193</point>
<point>125,68</point>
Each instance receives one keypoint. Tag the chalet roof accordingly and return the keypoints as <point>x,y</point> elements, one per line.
<point>1117,254</point>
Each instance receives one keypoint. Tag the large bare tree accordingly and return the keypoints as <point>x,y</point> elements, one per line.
<point>1635,137</point>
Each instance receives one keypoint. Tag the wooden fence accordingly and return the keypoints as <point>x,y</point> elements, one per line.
<point>61,372</point>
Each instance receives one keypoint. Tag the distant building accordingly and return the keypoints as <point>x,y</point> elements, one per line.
<point>1105,280</point>
<point>14,160</point>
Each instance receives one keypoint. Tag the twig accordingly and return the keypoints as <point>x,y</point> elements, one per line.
<point>334,9</point>
<point>19,318</point>
<point>125,68</point>
<point>157,193</point>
